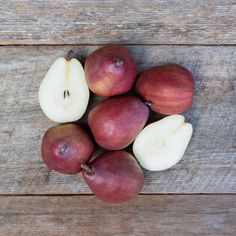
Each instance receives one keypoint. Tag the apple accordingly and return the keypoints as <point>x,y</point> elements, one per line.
<point>65,147</point>
<point>64,93</point>
<point>114,176</point>
<point>167,88</point>
<point>110,70</point>
<point>162,144</point>
<point>115,122</point>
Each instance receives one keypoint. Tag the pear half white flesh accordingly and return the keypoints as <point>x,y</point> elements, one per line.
<point>64,93</point>
<point>162,144</point>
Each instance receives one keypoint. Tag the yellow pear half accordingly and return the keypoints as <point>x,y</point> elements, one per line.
<point>162,144</point>
<point>64,93</point>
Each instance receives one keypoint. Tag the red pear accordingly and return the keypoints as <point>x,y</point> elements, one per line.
<point>115,122</point>
<point>65,148</point>
<point>114,177</point>
<point>168,88</point>
<point>110,70</point>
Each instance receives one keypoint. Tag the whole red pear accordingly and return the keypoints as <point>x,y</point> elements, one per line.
<point>65,147</point>
<point>110,70</point>
<point>115,122</point>
<point>168,88</point>
<point>114,176</point>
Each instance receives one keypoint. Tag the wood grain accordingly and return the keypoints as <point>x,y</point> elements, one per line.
<point>145,215</point>
<point>130,22</point>
<point>209,162</point>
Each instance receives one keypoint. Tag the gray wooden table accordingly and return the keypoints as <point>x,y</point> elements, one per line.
<point>198,195</point>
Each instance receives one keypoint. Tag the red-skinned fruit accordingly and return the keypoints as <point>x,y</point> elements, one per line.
<point>115,122</point>
<point>110,70</point>
<point>167,88</point>
<point>65,147</point>
<point>114,176</point>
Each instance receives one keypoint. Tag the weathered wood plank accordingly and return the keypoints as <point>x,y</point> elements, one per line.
<point>145,215</point>
<point>209,163</point>
<point>130,22</point>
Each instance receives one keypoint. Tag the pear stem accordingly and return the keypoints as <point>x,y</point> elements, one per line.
<point>88,169</point>
<point>69,56</point>
<point>118,62</point>
<point>147,103</point>
<point>63,149</point>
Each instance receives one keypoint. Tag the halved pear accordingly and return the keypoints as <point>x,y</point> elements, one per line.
<point>63,93</point>
<point>162,144</point>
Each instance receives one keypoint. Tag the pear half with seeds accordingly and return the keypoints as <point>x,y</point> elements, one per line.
<point>63,93</point>
<point>162,144</point>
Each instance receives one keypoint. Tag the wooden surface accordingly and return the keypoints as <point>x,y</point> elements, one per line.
<point>209,163</point>
<point>137,21</point>
<point>146,215</point>
<point>198,195</point>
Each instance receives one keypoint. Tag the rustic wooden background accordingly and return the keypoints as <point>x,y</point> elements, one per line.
<point>198,195</point>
